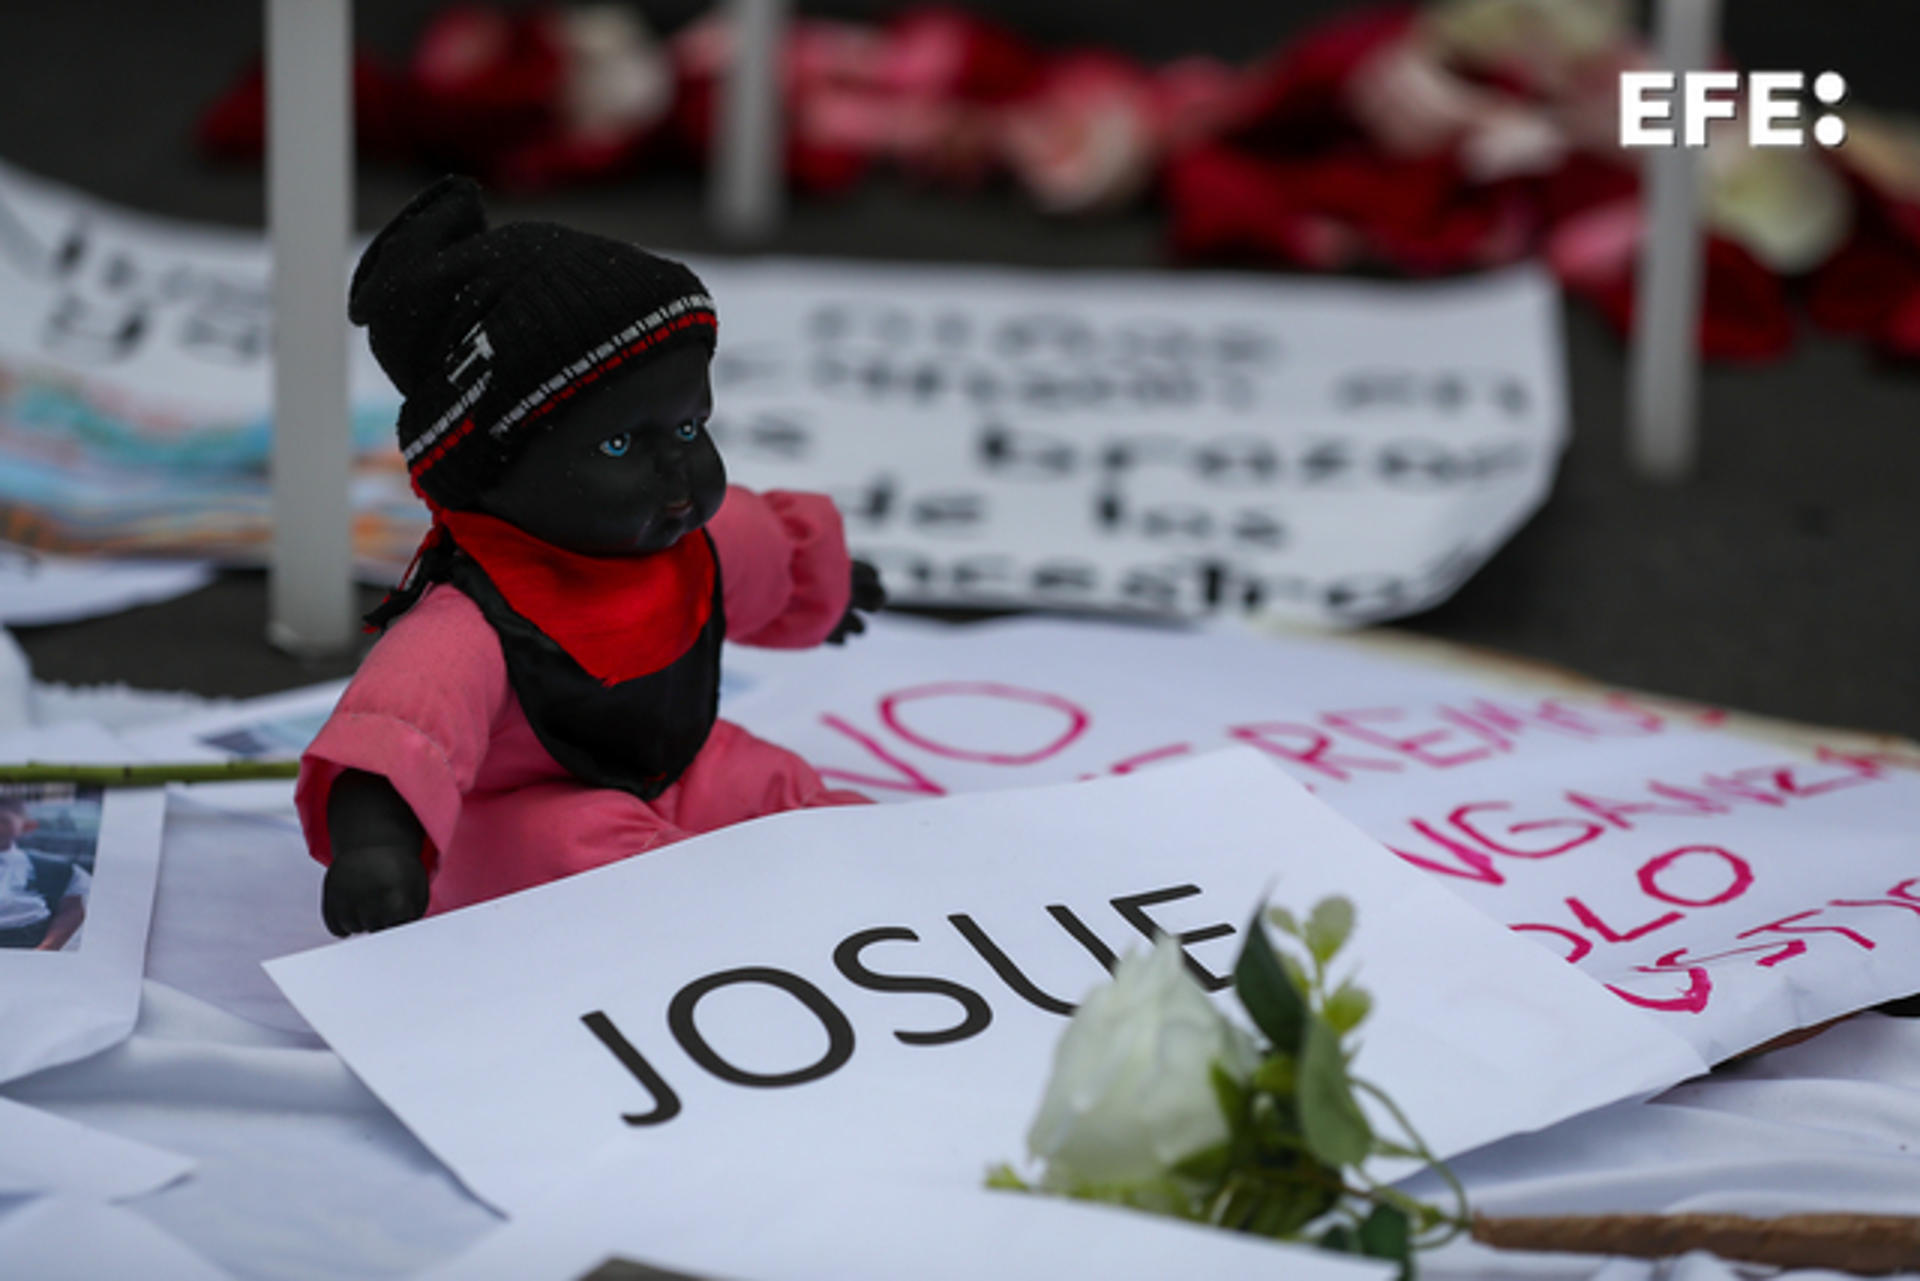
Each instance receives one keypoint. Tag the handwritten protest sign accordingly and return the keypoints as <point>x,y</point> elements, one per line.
<point>135,358</point>
<point>1187,444</point>
<point>152,337</point>
<point>1734,888</point>
<point>1154,443</point>
<point>880,987</point>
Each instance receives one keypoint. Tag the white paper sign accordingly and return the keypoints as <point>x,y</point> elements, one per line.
<point>882,1230</point>
<point>1335,452</point>
<point>78,870</point>
<point>876,991</point>
<point>1675,865</point>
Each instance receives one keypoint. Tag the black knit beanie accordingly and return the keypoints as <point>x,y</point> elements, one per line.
<point>485,330</point>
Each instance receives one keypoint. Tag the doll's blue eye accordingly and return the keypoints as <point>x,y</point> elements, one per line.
<point>686,431</point>
<point>615,446</point>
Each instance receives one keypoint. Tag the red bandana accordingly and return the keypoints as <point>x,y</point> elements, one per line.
<point>619,617</point>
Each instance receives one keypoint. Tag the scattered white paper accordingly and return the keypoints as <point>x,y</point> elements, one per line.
<point>44,1154</point>
<point>57,1006</point>
<point>1667,861</point>
<point>63,1238</point>
<point>118,706</point>
<point>875,1231</point>
<point>37,589</point>
<point>724,1001</point>
<point>237,887</point>
<point>277,727</point>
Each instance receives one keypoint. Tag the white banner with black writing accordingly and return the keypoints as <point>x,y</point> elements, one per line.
<point>1191,444</point>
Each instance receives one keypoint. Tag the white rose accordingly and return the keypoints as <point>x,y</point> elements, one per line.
<point>1131,1092</point>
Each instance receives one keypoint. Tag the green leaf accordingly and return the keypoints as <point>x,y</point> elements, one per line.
<point>1158,1196</point>
<point>1272,1127</point>
<point>1272,1001</point>
<point>1235,1206</point>
<point>1347,1008</point>
<point>1331,1122</point>
<point>1232,1097</point>
<point>1283,921</point>
<point>1328,927</point>
<point>1207,1166</point>
<point>1281,1212</point>
<point>1338,1237</point>
<point>1384,1234</point>
<point>1002,1177</point>
<point>1276,1075</point>
<point>1308,1198</point>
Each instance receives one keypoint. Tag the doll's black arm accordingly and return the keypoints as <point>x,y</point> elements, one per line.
<point>868,596</point>
<point>376,878</point>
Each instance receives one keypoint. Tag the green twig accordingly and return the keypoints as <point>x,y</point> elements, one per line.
<point>157,775</point>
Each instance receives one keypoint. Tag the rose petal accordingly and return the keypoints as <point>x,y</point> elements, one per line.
<point>1131,1090</point>
<point>1899,333</point>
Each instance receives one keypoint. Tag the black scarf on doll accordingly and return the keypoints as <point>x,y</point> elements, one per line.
<point>615,659</point>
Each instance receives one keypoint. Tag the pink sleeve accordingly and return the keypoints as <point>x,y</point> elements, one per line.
<point>784,567</point>
<point>419,712</point>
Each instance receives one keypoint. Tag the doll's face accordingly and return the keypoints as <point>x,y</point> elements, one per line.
<point>624,469</point>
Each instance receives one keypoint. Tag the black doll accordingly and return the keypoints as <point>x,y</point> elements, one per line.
<point>544,698</point>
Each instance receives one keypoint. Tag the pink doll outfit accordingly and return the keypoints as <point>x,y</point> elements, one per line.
<point>433,712</point>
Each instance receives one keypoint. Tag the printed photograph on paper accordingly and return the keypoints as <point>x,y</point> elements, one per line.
<point>49,837</point>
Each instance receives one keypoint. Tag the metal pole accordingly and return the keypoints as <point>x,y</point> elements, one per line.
<point>1665,371</point>
<point>748,173</point>
<point>309,186</point>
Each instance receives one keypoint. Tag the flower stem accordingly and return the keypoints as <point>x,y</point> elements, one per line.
<point>1461,1220</point>
<point>155,775</point>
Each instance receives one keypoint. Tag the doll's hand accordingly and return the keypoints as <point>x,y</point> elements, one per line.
<point>376,878</point>
<point>372,888</point>
<point>868,596</point>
